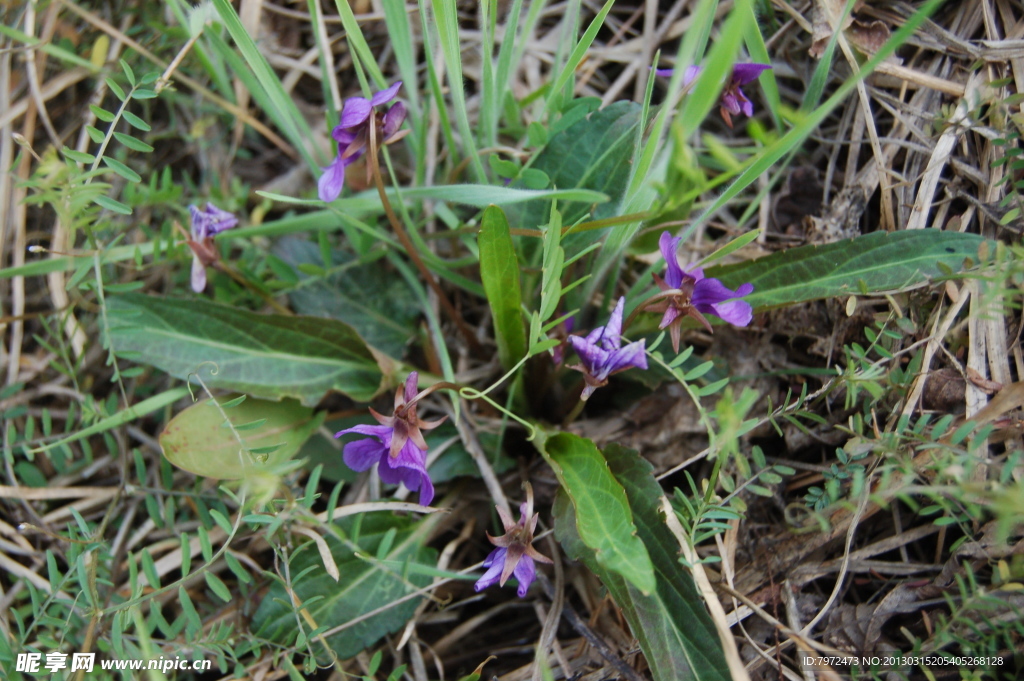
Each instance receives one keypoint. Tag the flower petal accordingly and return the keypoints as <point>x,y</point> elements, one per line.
<point>354,113</point>
<point>731,103</point>
<point>409,468</point>
<point>330,183</point>
<point>493,574</point>
<point>362,454</point>
<point>747,73</point>
<point>632,355</point>
<point>382,433</point>
<point>198,274</point>
<point>712,291</point>
<point>525,572</point>
<point>591,355</point>
<point>411,387</point>
<point>219,220</point>
<point>691,74</point>
<point>668,246</point>
<point>667,73</point>
<point>611,339</point>
<point>385,96</point>
<point>736,312</point>
<point>393,120</point>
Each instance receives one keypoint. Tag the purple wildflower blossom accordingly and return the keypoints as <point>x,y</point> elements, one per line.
<point>515,553</point>
<point>353,135</point>
<point>397,444</point>
<point>733,101</point>
<point>601,352</point>
<point>691,294</point>
<point>205,224</point>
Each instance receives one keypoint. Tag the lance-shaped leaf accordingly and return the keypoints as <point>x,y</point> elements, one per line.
<point>873,263</point>
<point>675,631</point>
<point>604,521</point>
<point>380,559</point>
<point>499,271</point>
<point>199,439</point>
<point>268,356</point>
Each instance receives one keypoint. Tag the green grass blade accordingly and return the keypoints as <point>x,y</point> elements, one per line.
<point>281,108</point>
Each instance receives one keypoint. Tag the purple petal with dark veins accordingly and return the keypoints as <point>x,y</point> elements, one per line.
<point>630,356</point>
<point>409,467</point>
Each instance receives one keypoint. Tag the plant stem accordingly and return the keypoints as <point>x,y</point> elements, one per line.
<point>407,244</point>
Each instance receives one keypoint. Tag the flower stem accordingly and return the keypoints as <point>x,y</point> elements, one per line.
<point>407,244</point>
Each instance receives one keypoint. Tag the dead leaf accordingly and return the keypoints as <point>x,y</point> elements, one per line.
<point>987,386</point>
<point>944,391</point>
<point>868,36</point>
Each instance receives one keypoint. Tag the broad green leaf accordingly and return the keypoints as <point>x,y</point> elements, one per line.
<point>603,519</point>
<point>375,302</point>
<point>366,584</point>
<point>873,263</point>
<point>593,154</point>
<point>267,356</point>
<point>499,272</point>
<point>198,441</point>
<point>675,631</point>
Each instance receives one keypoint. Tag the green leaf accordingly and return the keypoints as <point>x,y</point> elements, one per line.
<point>551,272</point>
<point>672,625</point>
<point>115,88</point>
<point>95,134</point>
<point>375,302</point>
<point>880,261</point>
<point>365,584</point>
<point>196,441</point>
<point>135,121</point>
<point>268,356</point>
<point>499,272</point>
<point>604,521</point>
<point>217,586</point>
<point>102,113</point>
<point>121,169</point>
<point>592,154</point>
<point>133,143</point>
<point>112,205</point>
<point>78,156</point>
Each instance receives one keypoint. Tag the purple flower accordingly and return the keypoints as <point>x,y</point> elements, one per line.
<point>205,224</point>
<point>353,135</point>
<point>691,294</point>
<point>733,101</point>
<point>515,553</point>
<point>601,352</point>
<point>397,444</point>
